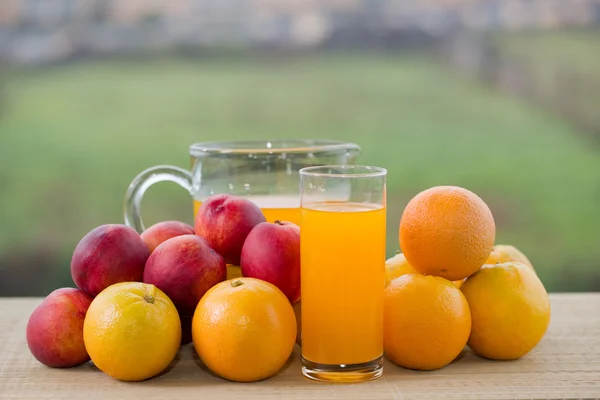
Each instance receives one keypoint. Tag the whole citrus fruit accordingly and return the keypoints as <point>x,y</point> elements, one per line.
<point>397,266</point>
<point>132,331</point>
<point>447,231</point>
<point>510,310</point>
<point>504,253</point>
<point>244,330</point>
<point>426,322</point>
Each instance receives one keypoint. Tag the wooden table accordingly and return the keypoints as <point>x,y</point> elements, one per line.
<point>565,365</point>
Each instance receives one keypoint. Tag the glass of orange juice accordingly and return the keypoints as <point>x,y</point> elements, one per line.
<point>263,171</point>
<point>343,235</point>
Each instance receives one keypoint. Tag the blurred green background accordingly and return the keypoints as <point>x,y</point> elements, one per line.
<point>512,116</point>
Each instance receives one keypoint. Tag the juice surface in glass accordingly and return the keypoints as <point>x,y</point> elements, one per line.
<point>343,264</point>
<point>282,208</point>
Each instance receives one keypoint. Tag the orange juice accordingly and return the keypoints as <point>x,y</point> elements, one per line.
<point>282,208</point>
<point>343,274</point>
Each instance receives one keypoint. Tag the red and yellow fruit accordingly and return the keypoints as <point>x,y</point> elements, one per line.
<point>55,328</point>
<point>272,253</point>
<point>225,222</point>
<point>107,255</point>
<point>163,231</point>
<point>185,268</point>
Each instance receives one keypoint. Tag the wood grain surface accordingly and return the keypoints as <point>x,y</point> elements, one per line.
<point>565,365</point>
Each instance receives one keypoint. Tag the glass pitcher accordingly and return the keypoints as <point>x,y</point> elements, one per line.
<point>265,172</point>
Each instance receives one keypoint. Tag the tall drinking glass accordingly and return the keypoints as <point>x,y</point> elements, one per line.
<point>343,214</point>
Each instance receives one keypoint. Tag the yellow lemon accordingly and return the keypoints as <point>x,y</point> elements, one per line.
<point>132,331</point>
<point>510,310</point>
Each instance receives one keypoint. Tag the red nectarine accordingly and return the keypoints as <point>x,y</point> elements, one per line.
<point>108,254</point>
<point>225,221</point>
<point>272,253</point>
<point>55,328</point>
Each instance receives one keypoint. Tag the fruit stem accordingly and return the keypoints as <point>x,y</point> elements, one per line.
<point>278,222</point>
<point>236,283</point>
<point>150,292</point>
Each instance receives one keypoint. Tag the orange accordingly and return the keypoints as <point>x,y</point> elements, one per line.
<point>132,331</point>
<point>426,322</point>
<point>447,231</point>
<point>510,310</point>
<point>504,253</point>
<point>244,330</point>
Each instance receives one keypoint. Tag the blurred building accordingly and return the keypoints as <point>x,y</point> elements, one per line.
<point>37,31</point>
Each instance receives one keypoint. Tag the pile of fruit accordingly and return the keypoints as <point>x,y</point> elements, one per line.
<point>141,297</point>
<point>452,287</point>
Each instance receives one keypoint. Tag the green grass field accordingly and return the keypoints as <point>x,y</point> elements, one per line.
<point>579,48</point>
<point>563,67</point>
<point>73,137</point>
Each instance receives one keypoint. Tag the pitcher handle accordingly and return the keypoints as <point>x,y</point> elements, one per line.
<point>141,183</point>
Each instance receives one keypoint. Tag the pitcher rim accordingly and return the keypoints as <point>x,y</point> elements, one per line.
<point>275,146</point>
